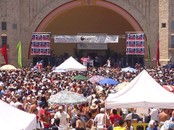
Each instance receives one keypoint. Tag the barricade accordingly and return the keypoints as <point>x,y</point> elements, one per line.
<point>140,126</point>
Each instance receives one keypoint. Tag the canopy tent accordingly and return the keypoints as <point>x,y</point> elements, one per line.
<point>14,119</point>
<point>142,92</point>
<point>70,65</point>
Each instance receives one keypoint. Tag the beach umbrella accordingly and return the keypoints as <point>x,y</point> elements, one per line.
<point>80,77</point>
<point>96,78</point>
<point>8,67</point>
<point>66,98</point>
<point>129,69</point>
<point>120,86</point>
<point>169,88</point>
<point>168,66</point>
<point>108,81</point>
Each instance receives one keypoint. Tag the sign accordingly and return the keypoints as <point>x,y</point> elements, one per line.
<point>89,46</point>
<point>40,44</point>
<point>86,38</point>
<point>135,44</point>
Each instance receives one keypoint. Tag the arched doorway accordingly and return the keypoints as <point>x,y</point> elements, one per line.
<point>96,17</point>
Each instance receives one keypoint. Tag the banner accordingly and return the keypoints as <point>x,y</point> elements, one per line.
<point>4,53</point>
<point>84,38</point>
<point>19,49</point>
<point>135,44</point>
<point>89,46</point>
<point>40,44</point>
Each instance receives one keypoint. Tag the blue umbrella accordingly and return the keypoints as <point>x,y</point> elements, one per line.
<point>108,81</point>
<point>129,69</point>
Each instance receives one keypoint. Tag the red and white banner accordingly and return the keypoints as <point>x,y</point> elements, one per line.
<point>40,44</point>
<point>135,44</point>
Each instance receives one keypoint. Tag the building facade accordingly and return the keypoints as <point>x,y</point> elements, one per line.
<point>19,19</point>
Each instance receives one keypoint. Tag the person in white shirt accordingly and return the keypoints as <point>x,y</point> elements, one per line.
<point>100,119</point>
<point>154,113</point>
<point>64,118</point>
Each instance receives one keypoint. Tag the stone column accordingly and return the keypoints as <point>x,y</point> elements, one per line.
<point>164,31</point>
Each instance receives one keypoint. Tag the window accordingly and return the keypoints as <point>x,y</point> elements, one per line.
<point>4,40</point>
<point>172,25</point>
<point>14,26</point>
<point>4,26</point>
<point>172,42</point>
<point>163,25</point>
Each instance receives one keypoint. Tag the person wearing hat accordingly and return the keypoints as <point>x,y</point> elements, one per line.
<point>94,110</point>
<point>64,118</point>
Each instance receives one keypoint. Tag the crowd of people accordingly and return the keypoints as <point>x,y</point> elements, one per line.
<point>29,89</point>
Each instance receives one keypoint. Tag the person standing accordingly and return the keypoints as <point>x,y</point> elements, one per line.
<point>114,116</point>
<point>64,118</point>
<point>100,118</point>
<point>45,117</point>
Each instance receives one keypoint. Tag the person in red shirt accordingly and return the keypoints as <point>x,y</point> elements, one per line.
<point>114,116</point>
<point>45,117</point>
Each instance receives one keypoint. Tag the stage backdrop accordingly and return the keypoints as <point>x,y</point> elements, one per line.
<point>40,44</point>
<point>135,44</point>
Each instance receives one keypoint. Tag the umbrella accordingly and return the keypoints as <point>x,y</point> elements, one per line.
<point>80,77</point>
<point>120,86</point>
<point>96,78</point>
<point>169,66</point>
<point>8,67</point>
<point>67,97</point>
<point>169,88</point>
<point>129,69</point>
<point>108,81</point>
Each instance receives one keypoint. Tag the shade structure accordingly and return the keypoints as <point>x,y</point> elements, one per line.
<point>80,77</point>
<point>67,97</point>
<point>108,81</point>
<point>14,119</point>
<point>96,78</point>
<point>142,92</point>
<point>70,65</point>
<point>8,67</point>
<point>129,69</point>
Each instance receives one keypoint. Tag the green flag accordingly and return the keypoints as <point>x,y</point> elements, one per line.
<point>19,49</point>
<point>149,55</point>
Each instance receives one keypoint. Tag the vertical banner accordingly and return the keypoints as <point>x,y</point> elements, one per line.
<point>40,44</point>
<point>19,49</point>
<point>135,44</point>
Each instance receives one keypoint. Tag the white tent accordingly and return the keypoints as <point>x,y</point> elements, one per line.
<point>142,92</point>
<point>70,65</point>
<point>12,118</point>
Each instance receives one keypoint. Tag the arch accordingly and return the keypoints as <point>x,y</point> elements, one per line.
<point>73,4</point>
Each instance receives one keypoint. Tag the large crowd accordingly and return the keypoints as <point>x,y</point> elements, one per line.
<point>29,89</point>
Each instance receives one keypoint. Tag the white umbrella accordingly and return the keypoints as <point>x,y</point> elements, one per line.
<point>129,69</point>
<point>67,98</point>
<point>8,67</point>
